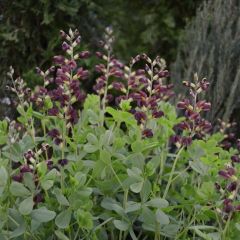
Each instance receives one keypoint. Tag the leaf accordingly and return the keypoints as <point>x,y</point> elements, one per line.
<point>17,189</point>
<point>157,203</point>
<point>3,179</point>
<point>62,200</point>
<point>26,206</point>
<point>132,207</point>
<point>121,225</point>
<point>61,235</point>
<point>47,184</point>
<point>89,148</point>
<point>146,190</point>
<point>136,187</point>
<point>43,214</point>
<point>20,230</point>
<point>63,219</point>
<point>105,157</point>
<point>162,218</point>
<point>84,219</point>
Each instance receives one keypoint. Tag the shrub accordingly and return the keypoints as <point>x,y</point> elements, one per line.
<point>77,166</point>
<point>211,46</point>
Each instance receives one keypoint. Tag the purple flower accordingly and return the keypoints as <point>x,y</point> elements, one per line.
<point>232,186</point>
<point>157,114</point>
<point>49,163</point>
<point>63,162</point>
<point>84,54</point>
<point>18,178</point>
<point>58,59</point>
<point>25,168</point>
<point>53,111</point>
<point>147,133</point>
<point>227,173</point>
<point>65,46</point>
<point>140,117</point>
<point>54,133</point>
<point>38,198</point>
<point>235,159</point>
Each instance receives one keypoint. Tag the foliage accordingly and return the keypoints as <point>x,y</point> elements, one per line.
<point>28,30</point>
<point>133,171</point>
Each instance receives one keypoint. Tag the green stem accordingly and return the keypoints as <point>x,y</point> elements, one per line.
<point>172,173</point>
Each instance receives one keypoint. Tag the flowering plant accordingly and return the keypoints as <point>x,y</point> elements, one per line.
<point>118,164</point>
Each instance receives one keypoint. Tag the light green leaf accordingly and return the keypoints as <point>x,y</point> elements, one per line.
<point>136,187</point>
<point>162,218</point>
<point>17,189</point>
<point>157,203</point>
<point>121,225</point>
<point>26,206</point>
<point>43,214</point>
<point>63,219</point>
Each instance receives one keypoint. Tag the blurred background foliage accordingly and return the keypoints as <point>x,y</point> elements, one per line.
<point>29,29</point>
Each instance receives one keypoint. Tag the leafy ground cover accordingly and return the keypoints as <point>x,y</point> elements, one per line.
<point>122,163</point>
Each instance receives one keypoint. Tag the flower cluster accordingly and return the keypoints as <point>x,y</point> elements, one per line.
<point>112,68</point>
<point>229,189</point>
<point>61,88</point>
<point>194,125</point>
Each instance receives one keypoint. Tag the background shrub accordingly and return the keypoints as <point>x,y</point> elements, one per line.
<point>211,46</point>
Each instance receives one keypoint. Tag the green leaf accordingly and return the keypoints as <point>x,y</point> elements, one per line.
<point>17,189</point>
<point>121,225</point>
<point>46,184</point>
<point>157,203</point>
<point>92,139</point>
<point>146,190</point>
<point>162,218</point>
<point>20,230</point>
<point>84,219</point>
<point>61,235</point>
<point>105,157</point>
<point>26,206</point>
<point>43,214</point>
<point>89,148</point>
<point>80,178</point>
<point>63,219</point>
<point>3,179</point>
<point>62,200</point>
<point>136,187</point>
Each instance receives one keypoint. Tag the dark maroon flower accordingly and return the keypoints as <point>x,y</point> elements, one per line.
<point>25,168</point>
<point>147,133</point>
<point>83,74</point>
<point>235,159</point>
<point>54,133</point>
<point>163,73</point>
<point>63,162</point>
<point>29,155</point>
<point>38,198</point>
<point>118,86</point>
<point>18,178</point>
<point>228,207</point>
<point>84,54</point>
<point>72,115</point>
<point>140,116</point>
<point>232,186</point>
<point>186,141</point>
<point>58,59</point>
<point>227,173</point>
<point>65,46</point>
<point>217,186</point>
<point>58,141</point>
<point>157,114</point>
<point>53,111</point>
